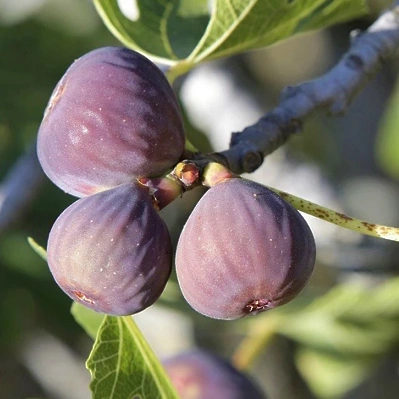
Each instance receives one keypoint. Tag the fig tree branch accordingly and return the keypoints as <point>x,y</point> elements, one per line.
<point>332,92</point>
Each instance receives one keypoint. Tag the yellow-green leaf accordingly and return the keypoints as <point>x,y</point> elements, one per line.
<point>123,365</point>
<point>236,25</point>
<point>183,33</point>
<point>331,376</point>
<point>166,31</point>
<point>349,319</point>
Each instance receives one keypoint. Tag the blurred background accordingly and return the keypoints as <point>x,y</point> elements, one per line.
<point>345,346</point>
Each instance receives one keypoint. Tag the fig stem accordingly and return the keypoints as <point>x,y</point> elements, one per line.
<point>163,190</point>
<point>215,173</point>
<point>178,69</point>
<point>211,173</point>
<point>203,171</point>
<point>339,219</point>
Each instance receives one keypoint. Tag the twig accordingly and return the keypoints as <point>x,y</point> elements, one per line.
<point>340,219</point>
<point>333,91</point>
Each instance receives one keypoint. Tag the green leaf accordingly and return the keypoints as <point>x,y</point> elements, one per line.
<point>164,30</point>
<point>236,26</point>
<point>383,306</point>
<point>123,365</point>
<point>350,319</point>
<point>182,33</point>
<point>88,319</point>
<point>331,376</point>
<point>343,334</point>
<point>387,145</point>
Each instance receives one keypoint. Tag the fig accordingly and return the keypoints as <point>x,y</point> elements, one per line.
<point>243,250</point>
<point>111,251</point>
<point>113,117</point>
<point>200,375</point>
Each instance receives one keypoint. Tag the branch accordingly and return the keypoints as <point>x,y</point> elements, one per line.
<point>333,91</point>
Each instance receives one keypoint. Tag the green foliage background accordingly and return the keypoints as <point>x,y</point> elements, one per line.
<point>340,334</point>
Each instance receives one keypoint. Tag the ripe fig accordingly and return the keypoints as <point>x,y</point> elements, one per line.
<point>112,117</point>
<point>111,251</point>
<point>199,375</point>
<point>243,250</point>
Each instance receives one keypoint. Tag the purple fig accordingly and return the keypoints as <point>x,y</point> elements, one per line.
<point>112,117</point>
<point>111,251</point>
<point>243,250</point>
<point>199,375</point>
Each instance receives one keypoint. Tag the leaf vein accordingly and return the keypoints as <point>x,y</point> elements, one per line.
<point>164,30</point>
<point>228,31</point>
<point>118,366</point>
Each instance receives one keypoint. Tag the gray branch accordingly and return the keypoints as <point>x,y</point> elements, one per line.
<point>333,92</point>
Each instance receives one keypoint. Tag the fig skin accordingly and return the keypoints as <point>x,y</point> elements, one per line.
<point>111,251</point>
<point>112,117</point>
<point>199,375</point>
<point>243,250</point>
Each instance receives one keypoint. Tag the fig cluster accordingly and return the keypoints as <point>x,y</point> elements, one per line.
<point>112,125</point>
<point>198,374</point>
<point>112,119</point>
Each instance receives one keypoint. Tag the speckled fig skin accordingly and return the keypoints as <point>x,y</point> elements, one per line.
<point>243,250</point>
<point>111,251</point>
<point>199,374</point>
<point>112,117</point>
